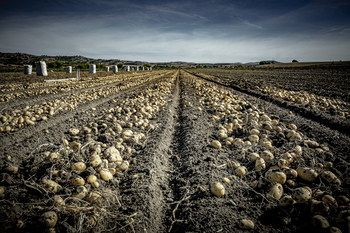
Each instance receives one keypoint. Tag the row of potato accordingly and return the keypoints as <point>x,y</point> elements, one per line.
<point>275,167</point>
<point>29,115</point>
<point>91,159</point>
<point>63,86</point>
<point>303,98</point>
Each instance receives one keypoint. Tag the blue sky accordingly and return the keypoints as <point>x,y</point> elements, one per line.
<point>193,31</point>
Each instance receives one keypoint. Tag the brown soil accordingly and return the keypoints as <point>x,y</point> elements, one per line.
<point>167,185</point>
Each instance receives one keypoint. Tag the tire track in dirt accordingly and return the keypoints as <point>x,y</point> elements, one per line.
<point>327,120</point>
<point>153,168</point>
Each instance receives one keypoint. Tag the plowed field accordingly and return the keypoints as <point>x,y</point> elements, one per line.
<point>141,152</point>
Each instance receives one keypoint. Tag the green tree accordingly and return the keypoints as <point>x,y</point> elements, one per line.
<point>262,63</point>
<point>147,65</point>
<point>294,60</point>
<point>120,66</point>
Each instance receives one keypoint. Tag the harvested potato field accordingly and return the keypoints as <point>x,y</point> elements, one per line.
<point>173,151</point>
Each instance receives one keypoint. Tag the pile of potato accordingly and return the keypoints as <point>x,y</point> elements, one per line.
<point>29,115</point>
<point>91,159</point>
<point>281,174</point>
<point>311,101</point>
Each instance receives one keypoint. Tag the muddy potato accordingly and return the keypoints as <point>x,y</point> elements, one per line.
<point>343,200</point>
<point>51,186</point>
<point>343,216</point>
<point>276,176</point>
<point>329,199</point>
<point>253,138</point>
<point>225,180</point>
<point>282,163</point>
<point>49,219</point>
<point>253,156</point>
<point>57,201</point>
<point>91,179</point>
<point>80,192</point>
<point>307,174</point>
<point>11,169</point>
<point>2,190</point>
<point>79,166</point>
<point>217,189</point>
<point>123,166</point>
<point>301,195</point>
<point>77,181</point>
<point>241,170</point>
<point>288,157</point>
<point>94,198</point>
<point>330,177</point>
<point>246,224</point>
<point>320,221</point>
<point>267,155</point>
<point>260,164</point>
<point>275,192</point>
<point>95,184</point>
<point>96,161</point>
<point>74,145</point>
<point>319,208</point>
<point>216,144</point>
<point>233,164</point>
<point>286,201</point>
<point>334,230</point>
<point>106,175</point>
<point>291,173</point>
<point>73,132</point>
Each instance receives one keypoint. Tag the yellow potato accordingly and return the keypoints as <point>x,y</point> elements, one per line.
<point>217,189</point>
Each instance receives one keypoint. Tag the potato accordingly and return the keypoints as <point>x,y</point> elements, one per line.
<point>330,177</point>
<point>2,190</point>
<point>262,182</point>
<point>329,199</point>
<point>343,216</point>
<point>216,144</point>
<point>73,132</point>
<point>96,161</point>
<point>217,189</point>
<point>106,175</point>
<point>275,192</point>
<point>74,145</point>
<point>57,201</point>
<point>246,224</point>
<point>51,186</point>
<point>311,144</point>
<point>79,166</point>
<point>343,200</point>
<point>233,164</point>
<point>334,230</point>
<point>291,173</point>
<point>253,138</point>
<point>12,169</point>
<point>307,174</point>
<point>221,134</point>
<point>91,179</point>
<point>241,170</point>
<point>301,195</point>
<point>260,164</point>
<point>255,132</point>
<point>225,180</point>
<point>320,221</point>
<point>95,184</point>
<point>77,181</point>
<point>282,163</point>
<point>276,176</point>
<point>286,201</point>
<point>123,166</point>
<point>287,156</point>
<point>80,192</point>
<point>112,154</point>
<point>253,156</point>
<point>94,198</point>
<point>49,219</point>
<point>267,155</point>
<point>319,207</point>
